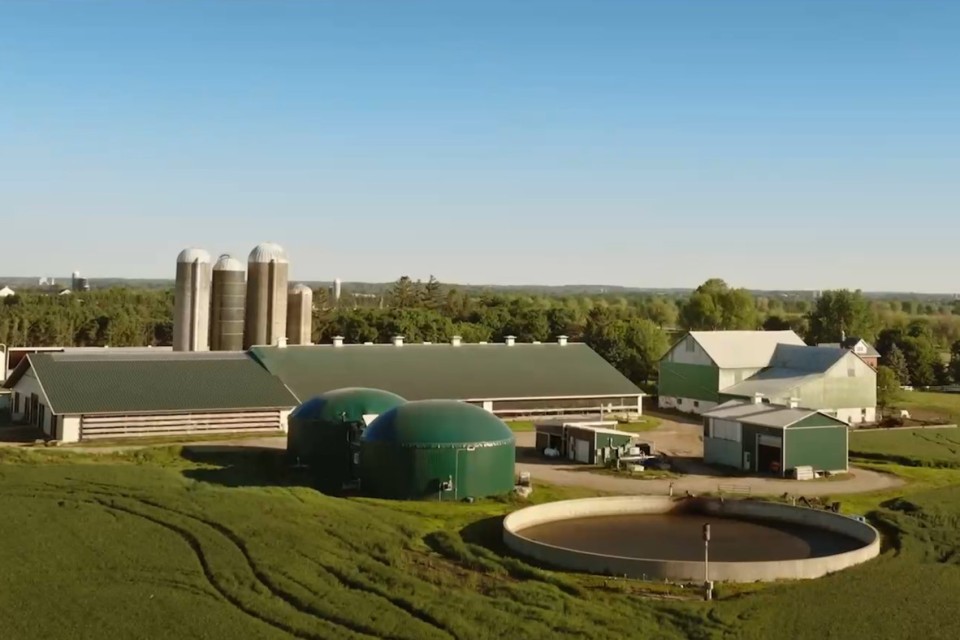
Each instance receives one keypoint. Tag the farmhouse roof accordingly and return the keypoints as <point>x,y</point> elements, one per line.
<point>764,415</point>
<point>743,349</point>
<point>116,383</point>
<point>445,371</point>
<point>851,344</point>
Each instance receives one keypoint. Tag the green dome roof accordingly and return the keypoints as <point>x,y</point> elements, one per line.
<point>346,405</point>
<point>437,423</point>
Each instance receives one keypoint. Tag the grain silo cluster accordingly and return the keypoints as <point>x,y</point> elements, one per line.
<point>226,307</point>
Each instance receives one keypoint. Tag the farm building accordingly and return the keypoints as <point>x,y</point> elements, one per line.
<point>87,395</point>
<point>586,442</point>
<point>707,368</point>
<point>324,432</point>
<point>507,379</point>
<point>437,450</point>
<point>859,346</point>
<point>13,355</point>
<point>766,438</point>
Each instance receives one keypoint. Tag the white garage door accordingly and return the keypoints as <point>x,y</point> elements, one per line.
<point>583,451</point>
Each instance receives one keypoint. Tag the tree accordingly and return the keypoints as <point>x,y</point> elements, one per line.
<point>432,297</point>
<point>701,312</point>
<point>663,312</point>
<point>888,387</point>
<point>633,346</point>
<point>897,363</point>
<point>715,306</point>
<point>954,366</point>
<point>839,313</point>
<point>775,323</point>
<point>404,294</point>
<point>922,359</point>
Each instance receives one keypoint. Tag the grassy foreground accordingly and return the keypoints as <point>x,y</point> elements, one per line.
<point>931,447</point>
<point>157,544</point>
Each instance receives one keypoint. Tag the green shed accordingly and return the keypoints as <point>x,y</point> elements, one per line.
<point>324,432</point>
<point>775,439</point>
<point>439,450</point>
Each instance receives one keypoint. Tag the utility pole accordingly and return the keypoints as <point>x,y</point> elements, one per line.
<point>707,586</point>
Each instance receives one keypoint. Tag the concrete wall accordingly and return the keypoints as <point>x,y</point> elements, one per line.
<point>516,522</point>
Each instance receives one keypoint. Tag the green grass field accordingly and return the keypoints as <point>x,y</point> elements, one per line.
<point>164,544</point>
<point>922,447</point>
<point>926,405</point>
<point>645,423</point>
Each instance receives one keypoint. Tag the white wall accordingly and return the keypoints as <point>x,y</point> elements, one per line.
<point>26,386</point>
<point>70,428</point>
<point>687,351</point>
<point>285,420</point>
<point>730,377</point>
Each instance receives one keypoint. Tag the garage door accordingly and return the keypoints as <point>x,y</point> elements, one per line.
<point>583,451</point>
<point>93,427</point>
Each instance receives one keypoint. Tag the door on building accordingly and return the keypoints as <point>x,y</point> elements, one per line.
<point>583,451</point>
<point>571,448</point>
<point>746,461</point>
<point>769,454</point>
<point>54,427</point>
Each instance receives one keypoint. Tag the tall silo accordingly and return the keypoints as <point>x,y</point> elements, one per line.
<point>191,301</point>
<point>226,309</point>
<point>337,286</point>
<point>266,313</point>
<point>300,315</point>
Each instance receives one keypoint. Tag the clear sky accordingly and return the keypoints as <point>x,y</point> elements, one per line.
<point>775,144</point>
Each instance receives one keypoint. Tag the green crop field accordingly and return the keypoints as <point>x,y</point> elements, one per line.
<point>157,543</point>
<point>921,447</point>
<point>928,405</point>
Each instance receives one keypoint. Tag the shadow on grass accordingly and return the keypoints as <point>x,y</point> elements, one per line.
<point>245,467</point>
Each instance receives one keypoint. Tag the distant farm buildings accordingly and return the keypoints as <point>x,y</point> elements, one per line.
<point>706,368</point>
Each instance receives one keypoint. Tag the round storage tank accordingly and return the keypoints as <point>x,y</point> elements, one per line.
<point>266,313</point>
<point>324,432</point>
<point>226,311</point>
<point>437,449</point>
<point>191,301</point>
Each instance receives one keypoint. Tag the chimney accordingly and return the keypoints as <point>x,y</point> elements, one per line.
<point>562,340</point>
<point>455,340</point>
<point>282,342</point>
<point>793,403</point>
<point>397,341</point>
<point>510,340</point>
<point>368,343</point>
<point>757,398</point>
<point>338,341</point>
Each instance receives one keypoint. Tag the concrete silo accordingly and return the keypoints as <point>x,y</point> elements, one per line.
<point>191,314</point>
<point>437,450</point>
<point>226,310</point>
<point>337,286</point>
<point>266,313</point>
<point>300,315</point>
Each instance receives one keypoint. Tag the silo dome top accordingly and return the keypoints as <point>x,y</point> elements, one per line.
<point>228,263</point>
<point>301,288</point>
<point>192,255</point>
<point>268,252</point>
<point>347,405</point>
<point>437,423</point>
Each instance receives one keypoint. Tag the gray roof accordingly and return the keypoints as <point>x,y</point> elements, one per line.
<point>97,383</point>
<point>791,367</point>
<point>743,349</point>
<point>444,371</point>
<point>851,344</point>
<point>764,415</point>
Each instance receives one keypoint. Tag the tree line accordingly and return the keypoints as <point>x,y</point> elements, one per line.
<point>631,331</point>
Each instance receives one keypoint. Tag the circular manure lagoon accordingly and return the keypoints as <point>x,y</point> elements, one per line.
<point>662,538</point>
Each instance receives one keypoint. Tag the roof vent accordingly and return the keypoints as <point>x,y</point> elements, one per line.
<point>793,403</point>
<point>535,342</point>
<point>482,342</point>
<point>510,340</point>
<point>427,342</point>
<point>338,341</point>
<point>757,398</point>
<point>562,340</point>
<point>456,340</point>
<point>282,342</point>
<point>368,343</point>
<point>397,341</point>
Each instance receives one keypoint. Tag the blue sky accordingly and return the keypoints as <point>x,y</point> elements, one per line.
<point>778,144</point>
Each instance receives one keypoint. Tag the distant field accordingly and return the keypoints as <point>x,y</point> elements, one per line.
<point>646,423</point>
<point>926,405</point>
<point>918,447</point>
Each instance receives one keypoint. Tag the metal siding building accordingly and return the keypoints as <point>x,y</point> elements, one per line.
<point>764,438</point>
<point>583,442</point>
<point>85,396</point>
<point>506,380</point>
<point>437,450</point>
<point>324,432</point>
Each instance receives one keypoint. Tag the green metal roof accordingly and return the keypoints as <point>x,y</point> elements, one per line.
<point>437,423</point>
<point>175,382</point>
<point>346,405</point>
<point>465,372</point>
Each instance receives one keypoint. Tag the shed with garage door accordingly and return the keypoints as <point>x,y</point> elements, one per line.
<point>588,442</point>
<point>757,437</point>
